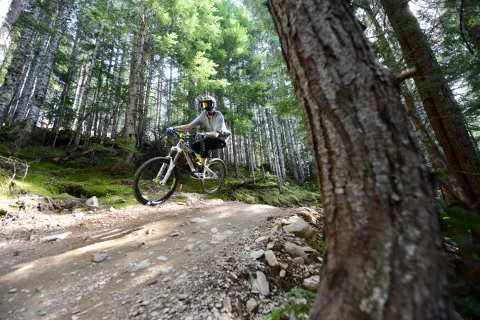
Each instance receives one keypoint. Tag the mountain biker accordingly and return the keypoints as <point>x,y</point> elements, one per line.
<point>216,131</point>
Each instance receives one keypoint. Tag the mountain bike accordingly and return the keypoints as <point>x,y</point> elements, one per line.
<point>156,180</point>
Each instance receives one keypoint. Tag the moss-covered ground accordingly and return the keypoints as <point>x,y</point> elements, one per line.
<point>89,176</point>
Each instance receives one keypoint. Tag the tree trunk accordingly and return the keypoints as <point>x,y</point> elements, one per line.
<point>292,154</point>
<point>159,99</point>
<point>82,104</point>
<point>10,11</point>
<point>384,256</point>
<point>43,81</point>
<point>251,156</point>
<point>135,69</point>
<point>22,108</point>
<point>276,156</point>
<point>388,54</point>
<point>278,143</point>
<point>264,128</point>
<point>298,146</point>
<point>118,91</point>
<point>234,150</point>
<point>63,107</point>
<point>13,76</point>
<point>443,113</point>
<point>144,107</point>
<point>471,23</point>
<point>169,94</point>
<point>108,106</point>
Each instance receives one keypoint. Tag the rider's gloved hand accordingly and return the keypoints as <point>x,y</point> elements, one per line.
<point>170,129</point>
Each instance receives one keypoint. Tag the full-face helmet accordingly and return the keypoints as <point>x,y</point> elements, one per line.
<point>208,104</point>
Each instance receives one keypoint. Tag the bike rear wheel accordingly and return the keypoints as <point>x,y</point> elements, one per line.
<point>147,188</point>
<point>213,176</point>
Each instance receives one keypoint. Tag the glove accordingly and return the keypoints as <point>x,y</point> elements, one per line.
<point>171,130</point>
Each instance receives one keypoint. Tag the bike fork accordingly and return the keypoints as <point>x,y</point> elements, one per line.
<point>170,169</point>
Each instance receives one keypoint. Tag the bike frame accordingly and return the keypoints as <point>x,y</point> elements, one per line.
<point>175,152</point>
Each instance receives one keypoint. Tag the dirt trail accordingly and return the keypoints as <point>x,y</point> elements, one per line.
<point>50,273</point>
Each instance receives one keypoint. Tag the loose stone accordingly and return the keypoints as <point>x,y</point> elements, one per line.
<point>251,305</point>
<point>271,258</point>
<point>257,254</point>
<point>99,257</point>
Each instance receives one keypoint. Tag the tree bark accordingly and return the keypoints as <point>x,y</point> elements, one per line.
<point>276,155</point>
<point>159,98</point>
<point>470,21</point>
<point>22,109</point>
<point>13,76</point>
<point>235,154</point>
<point>84,93</point>
<point>144,107</point>
<point>10,11</point>
<point>278,142</point>
<point>133,88</point>
<point>299,146</point>
<point>292,159</point>
<point>442,110</point>
<point>169,95</point>
<point>43,81</point>
<point>118,92</point>
<point>396,67</point>
<point>63,107</point>
<point>384,256</point>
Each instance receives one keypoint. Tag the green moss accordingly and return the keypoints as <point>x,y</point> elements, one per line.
<point>35,183</point>
<point>298,303</point>
<point>244,196</point>
<point>72,188</point>
<point>317,245</point>
<point>39,153</point>
<point>179,197</point>
<point>44,166</point>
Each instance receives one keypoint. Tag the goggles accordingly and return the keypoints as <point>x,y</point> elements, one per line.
<point>207,105</point>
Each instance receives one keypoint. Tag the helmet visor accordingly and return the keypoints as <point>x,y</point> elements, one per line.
<point>207,105</point>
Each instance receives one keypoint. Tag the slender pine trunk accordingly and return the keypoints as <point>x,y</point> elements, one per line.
<point>43,81</point>
<point>14,72</point>
<point>133,90</point>
<point>442,110</point>
<point>84,93</point>
<point>9,14</point>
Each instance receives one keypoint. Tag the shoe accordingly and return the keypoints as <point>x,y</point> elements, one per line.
<point>198,173</point>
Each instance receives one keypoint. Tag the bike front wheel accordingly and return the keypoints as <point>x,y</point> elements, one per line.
<point>147,183</point>
<point>213,176</point>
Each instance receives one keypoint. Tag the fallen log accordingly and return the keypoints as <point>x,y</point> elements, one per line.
<point>251,186</point>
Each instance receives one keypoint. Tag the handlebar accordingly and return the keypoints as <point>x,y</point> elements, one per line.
<point>188,134</point>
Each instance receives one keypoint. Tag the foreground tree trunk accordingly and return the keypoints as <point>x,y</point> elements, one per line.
<point>384,256</point>
<point>443,113</point>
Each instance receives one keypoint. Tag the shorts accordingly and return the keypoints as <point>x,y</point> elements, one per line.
<point>203,146</point>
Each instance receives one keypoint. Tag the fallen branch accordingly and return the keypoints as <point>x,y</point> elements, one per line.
<point>13,167</point>
<point>252,186</point>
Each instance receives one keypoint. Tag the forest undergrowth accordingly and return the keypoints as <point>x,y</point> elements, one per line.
<point>84,177</point>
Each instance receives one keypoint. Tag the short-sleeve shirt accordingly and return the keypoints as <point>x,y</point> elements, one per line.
<point>217,124</point>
